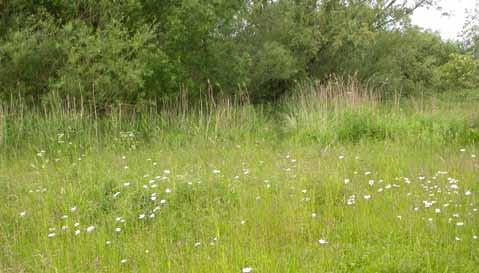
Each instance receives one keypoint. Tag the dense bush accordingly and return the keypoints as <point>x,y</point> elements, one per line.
<point>138,50</point>
<point>109,64</point>
<point>459,72</point>
<point>30,58</point>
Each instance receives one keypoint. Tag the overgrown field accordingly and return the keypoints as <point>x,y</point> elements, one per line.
<point>322,184</point>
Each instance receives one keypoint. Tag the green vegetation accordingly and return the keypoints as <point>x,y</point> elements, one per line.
<point>236,136</point>
<point>324,183</point>
<point>142,50</point>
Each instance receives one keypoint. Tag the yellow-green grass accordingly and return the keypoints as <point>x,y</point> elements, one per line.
<point>274,194</point>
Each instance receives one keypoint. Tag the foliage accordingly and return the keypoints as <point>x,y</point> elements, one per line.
<point>30,58</point>
<point>470,33</point>
<point>138,50</point>
<point>461,71</point>
<point>107,65</point>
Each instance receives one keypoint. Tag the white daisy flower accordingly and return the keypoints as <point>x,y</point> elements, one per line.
<point>247,270</point>
<point>90,229</point>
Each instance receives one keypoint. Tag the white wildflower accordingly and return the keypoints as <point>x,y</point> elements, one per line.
<point>323,242</point>
<point>90,229</point>
<point>247,270</point>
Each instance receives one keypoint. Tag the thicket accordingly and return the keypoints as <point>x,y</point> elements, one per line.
<point>133,51</point>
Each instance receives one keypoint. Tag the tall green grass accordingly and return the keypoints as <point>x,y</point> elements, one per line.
<point>336,112</point>
<point>333,179</point>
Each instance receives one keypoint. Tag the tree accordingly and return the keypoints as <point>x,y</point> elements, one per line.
<point>143,49</point>
<point>459,72</point>
<point>470,32</point>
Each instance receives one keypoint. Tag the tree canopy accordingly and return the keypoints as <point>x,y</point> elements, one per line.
<point>134,50</point>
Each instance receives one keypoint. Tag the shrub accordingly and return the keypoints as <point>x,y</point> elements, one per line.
<point>30,57</point>
<point>459,72</point>
<point>104,66</point>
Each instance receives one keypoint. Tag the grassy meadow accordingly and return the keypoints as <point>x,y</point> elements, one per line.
<point>322,183</point>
